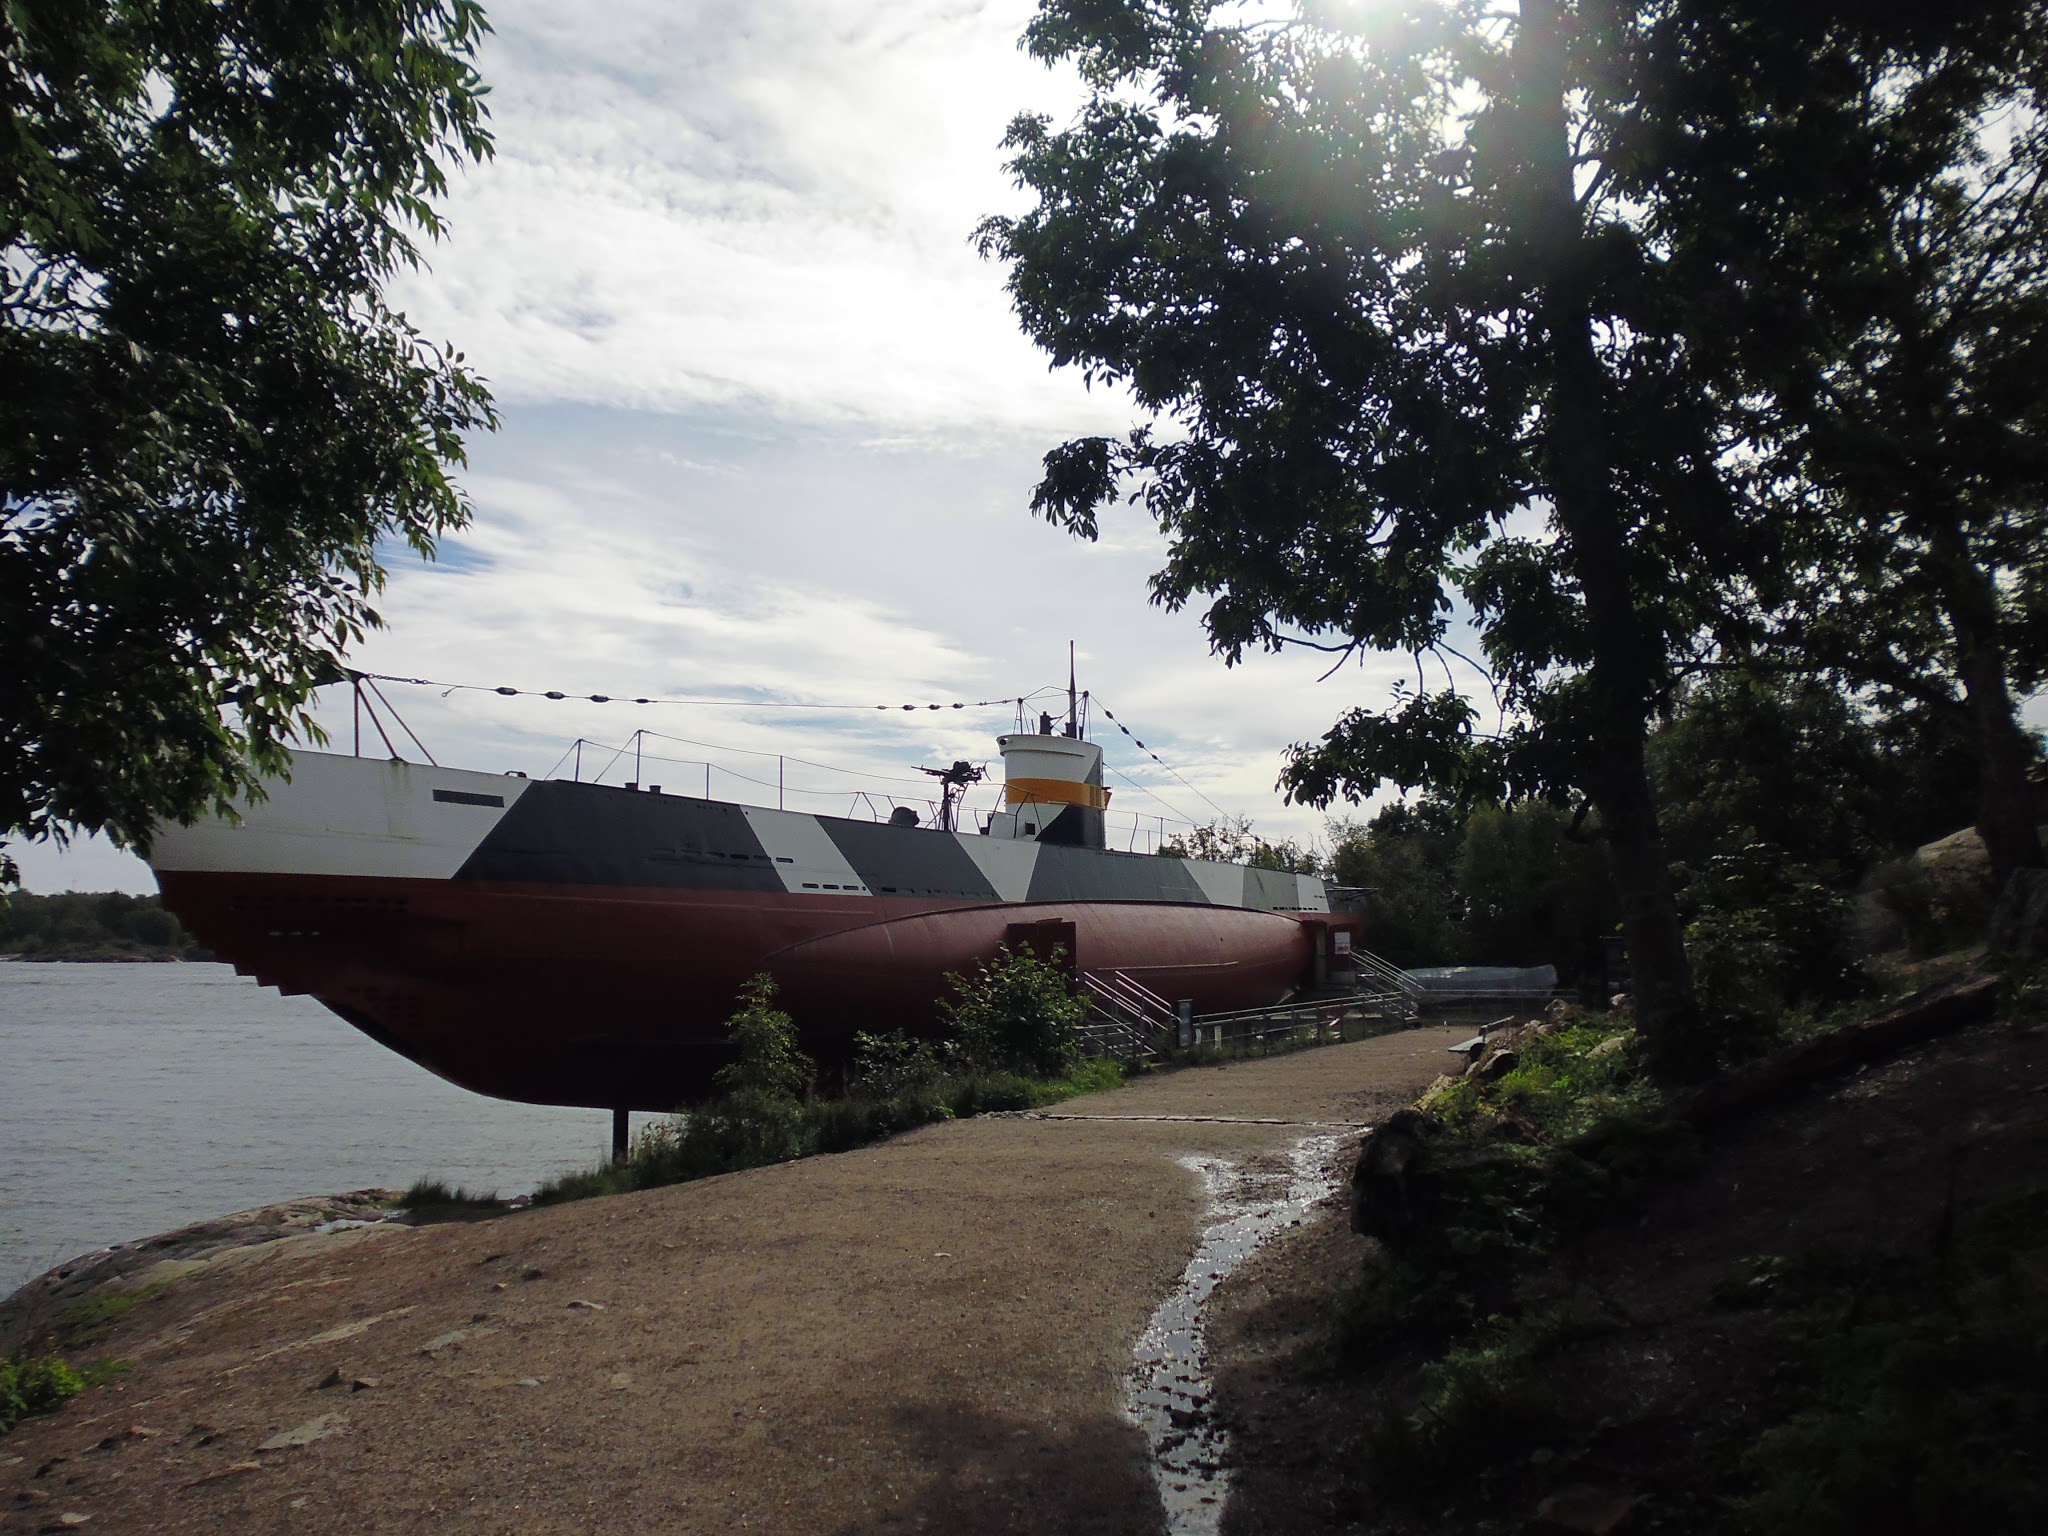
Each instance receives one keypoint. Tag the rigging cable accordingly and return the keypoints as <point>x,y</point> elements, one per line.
<point>1112,719</point>
<point>1150,794</point>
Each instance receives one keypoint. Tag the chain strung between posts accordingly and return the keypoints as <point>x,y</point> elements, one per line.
<point>607,698</point>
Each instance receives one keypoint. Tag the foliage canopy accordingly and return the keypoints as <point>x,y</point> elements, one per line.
<point>1868,215</point>
<point>1409,354</point>
<point>212,421</point>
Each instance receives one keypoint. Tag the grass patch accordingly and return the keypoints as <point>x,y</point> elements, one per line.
<point>1560,1086</point>
<point>32,1387</point>
<point>1489,1393</point>
<point>1098,1076</point>
<point>750,1130</point>
<point>89,1319</point>
<point>431,1199</point>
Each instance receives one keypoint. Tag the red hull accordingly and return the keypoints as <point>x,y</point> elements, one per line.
<point>616,997</point>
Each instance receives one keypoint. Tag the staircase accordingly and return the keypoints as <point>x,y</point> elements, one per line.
<point>1125,1017</point>
<point>1384,991</point>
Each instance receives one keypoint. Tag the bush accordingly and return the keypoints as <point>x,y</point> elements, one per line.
<point>1765,933</point>
<point>1935,909</point>
<point>767,1065</point>
<point>887,1065</point>
<point>747,1129</point>
<point>742,1130</point>
<point>1015,1015</point>
<point>31,1387</point>
<point>1509,1168</point>
<point>1016,1021</point>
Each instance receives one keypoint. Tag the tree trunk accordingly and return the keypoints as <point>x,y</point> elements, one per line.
<point>2006,816</point>
<point>1627,662</point>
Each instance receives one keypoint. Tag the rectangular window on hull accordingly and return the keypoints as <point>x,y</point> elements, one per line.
<point>464,797</point>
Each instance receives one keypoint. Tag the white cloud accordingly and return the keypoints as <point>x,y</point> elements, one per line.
<point>762,205</point>
<point>818,569</point>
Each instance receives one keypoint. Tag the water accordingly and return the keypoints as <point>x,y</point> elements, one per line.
<point>1169,1393</point>
<point>138,1098</point>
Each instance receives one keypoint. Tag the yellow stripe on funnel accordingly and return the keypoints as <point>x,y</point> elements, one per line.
<point>1055,792</point>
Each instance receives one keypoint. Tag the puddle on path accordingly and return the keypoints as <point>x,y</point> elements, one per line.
<point>1169,1393</point>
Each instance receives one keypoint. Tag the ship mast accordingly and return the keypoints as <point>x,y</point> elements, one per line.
<point>1073,711</point>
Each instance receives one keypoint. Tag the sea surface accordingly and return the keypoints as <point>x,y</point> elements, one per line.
<point>139,1098</point>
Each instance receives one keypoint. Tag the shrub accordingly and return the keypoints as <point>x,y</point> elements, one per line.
<point>1015,1015</point>
<point>1015,1018</point>
<point>1935,909</point>
<point>1765,933</point>
<point>887,1065</point>
<point>767,1065</point>
<point>31,1387</point>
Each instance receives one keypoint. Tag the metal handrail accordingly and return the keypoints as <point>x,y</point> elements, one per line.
<point>1134,1008</point>
<point>1137,1003</point>
<point>1404,983</point>
<point>1304,1009</point>
<point>1152,1000</point>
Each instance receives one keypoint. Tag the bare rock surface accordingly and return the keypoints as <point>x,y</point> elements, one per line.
<point>928,1334</point>
<point>151,1263</point>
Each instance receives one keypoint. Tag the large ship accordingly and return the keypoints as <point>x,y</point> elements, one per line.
<point>564,942</point>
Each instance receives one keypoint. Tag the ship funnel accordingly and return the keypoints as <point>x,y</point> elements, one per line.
<point>1052,791</point>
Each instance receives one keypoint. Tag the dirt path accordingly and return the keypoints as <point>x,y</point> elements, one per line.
<point>928,1334</point>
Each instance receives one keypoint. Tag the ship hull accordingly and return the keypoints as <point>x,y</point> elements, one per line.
<point>583,945</point>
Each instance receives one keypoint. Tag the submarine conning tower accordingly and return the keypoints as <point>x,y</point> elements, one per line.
<point>1052,790</point>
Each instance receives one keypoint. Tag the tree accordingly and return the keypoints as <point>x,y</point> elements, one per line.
<point>1871,206</point>
<point>1532,894</point>
<point>1407,865</point>
<point>1499,885</point>
<point>766,1063</point>
<point>1405,347</point>
<point>1230,840</point>
<point>1784,762</point>
<point>1777,794</point>
<point>1016,1013</point>
<point>211,418</point>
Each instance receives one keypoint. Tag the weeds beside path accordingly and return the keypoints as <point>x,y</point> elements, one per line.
<point>751,1129</point>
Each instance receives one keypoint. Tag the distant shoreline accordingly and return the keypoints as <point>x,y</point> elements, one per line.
<point>92,928</point>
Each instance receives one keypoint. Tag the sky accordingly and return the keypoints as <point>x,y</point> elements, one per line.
<point>770,432</point>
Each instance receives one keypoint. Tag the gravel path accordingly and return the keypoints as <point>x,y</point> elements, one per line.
<point>929,1334</point>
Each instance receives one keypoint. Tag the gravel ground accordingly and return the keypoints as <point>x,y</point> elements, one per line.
<point>927,1334</point>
